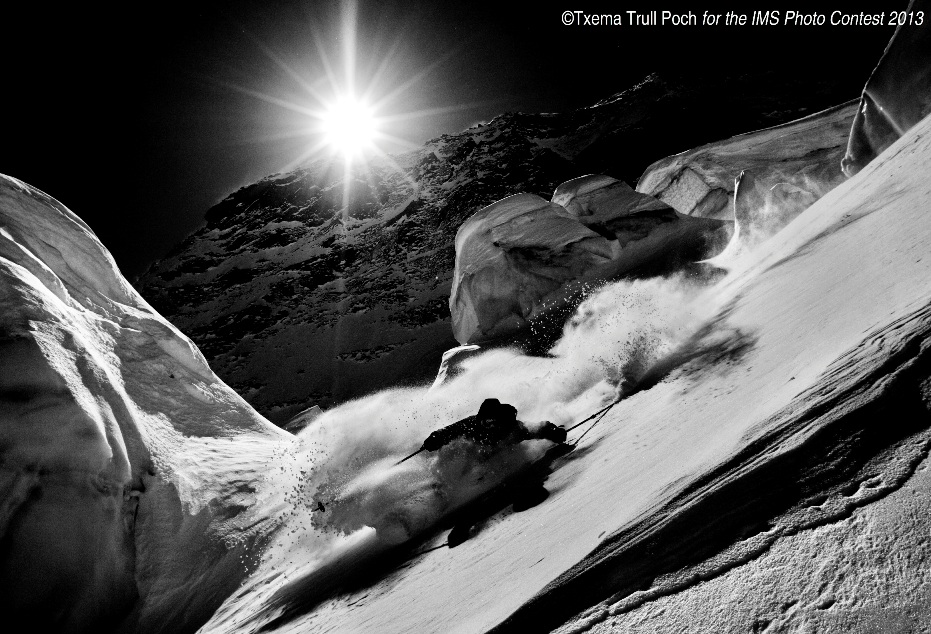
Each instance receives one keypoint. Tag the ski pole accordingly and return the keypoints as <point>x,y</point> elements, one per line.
<point>408,457</point>
<point>601,411</point>
<point>598,420</point>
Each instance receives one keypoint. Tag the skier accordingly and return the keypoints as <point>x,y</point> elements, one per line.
<point>495,424</point>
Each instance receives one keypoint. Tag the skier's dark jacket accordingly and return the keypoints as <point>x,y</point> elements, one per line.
<point>495,424</point>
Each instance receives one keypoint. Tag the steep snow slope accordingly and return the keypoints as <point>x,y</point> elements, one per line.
<point>862,569</point>
<point>128,470</point>
<point>804,395</point>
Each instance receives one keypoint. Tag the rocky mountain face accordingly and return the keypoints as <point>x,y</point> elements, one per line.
<point>311,288</point>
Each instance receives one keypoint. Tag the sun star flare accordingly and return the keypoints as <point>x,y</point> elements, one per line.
<point>349,127</point>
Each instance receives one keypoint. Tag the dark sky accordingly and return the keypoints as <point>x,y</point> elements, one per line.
<point>140,116</point>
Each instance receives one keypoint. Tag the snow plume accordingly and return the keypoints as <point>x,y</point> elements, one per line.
<point>343,481</point>
<point>619,332</point>
<point>761,210</point>
<point>352,480</point>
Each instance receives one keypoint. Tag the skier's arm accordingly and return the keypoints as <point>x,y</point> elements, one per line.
<point>445,435</point>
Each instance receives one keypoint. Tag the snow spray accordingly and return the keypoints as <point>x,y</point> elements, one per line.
<point>339,493</point>
<point>351,479</point>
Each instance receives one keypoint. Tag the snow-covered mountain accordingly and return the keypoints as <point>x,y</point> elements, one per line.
<point>748,453</point>
<point>298,299</point>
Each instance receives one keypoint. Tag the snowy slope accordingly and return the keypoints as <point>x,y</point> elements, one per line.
<point>796,392</point>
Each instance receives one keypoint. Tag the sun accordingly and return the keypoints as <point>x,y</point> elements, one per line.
<point>349,127</point>
<point>347,110</point>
